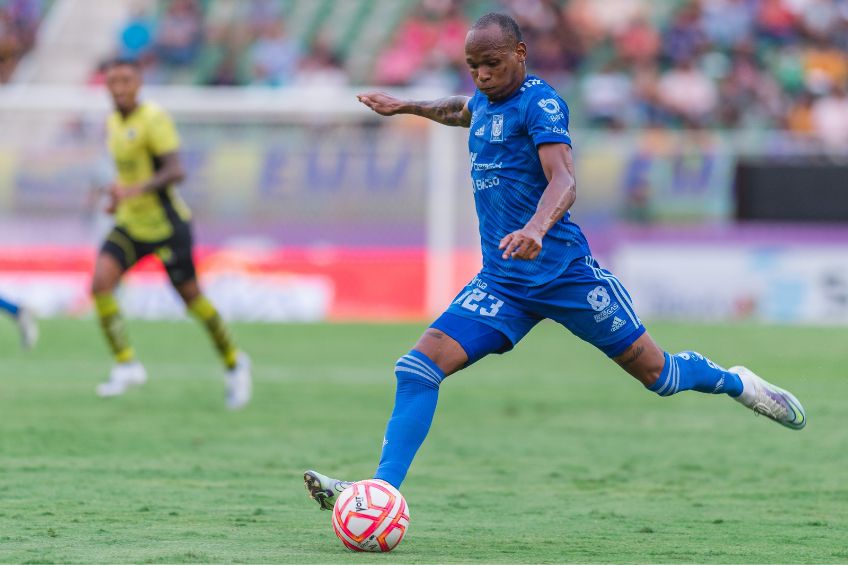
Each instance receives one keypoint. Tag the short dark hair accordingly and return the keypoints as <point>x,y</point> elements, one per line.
<point>505,22</point>
<point>122,62</point>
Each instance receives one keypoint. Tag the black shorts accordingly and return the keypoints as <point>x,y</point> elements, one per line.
<point>174,252</point>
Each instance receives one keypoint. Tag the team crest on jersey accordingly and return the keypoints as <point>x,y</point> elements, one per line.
<point>497,128</point>
<point>598,298</point>
<point>131,134</point>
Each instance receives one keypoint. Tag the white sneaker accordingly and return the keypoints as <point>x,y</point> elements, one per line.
<point>239,384</point>
<point>122,377</point>
<point>772,402</point>
<point>28,328</point>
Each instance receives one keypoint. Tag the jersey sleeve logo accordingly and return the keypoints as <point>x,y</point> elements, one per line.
<point>497,128</point>
<point>551,108</point>
<point>549,105</point>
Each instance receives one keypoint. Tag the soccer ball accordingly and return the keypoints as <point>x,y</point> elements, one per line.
<point>370,515</point>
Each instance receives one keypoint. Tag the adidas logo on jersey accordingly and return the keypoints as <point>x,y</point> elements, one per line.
<point>480,131</point>
<point>616,324</point>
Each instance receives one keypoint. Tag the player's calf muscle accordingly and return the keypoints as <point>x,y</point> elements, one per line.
<point>643,360</point>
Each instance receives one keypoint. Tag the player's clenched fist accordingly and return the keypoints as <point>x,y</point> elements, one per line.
<point>382,103</point>
<point>521,244</point>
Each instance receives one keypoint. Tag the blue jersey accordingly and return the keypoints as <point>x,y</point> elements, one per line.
<point>508,180</point>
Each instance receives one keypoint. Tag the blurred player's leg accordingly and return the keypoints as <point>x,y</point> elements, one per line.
<point>239,387</point>
<point>9,307</point>
<point>127,371</point>
<point>25,320</point>
<point>28,327</point>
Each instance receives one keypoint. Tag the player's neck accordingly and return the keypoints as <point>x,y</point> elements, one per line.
<point>125,112</point>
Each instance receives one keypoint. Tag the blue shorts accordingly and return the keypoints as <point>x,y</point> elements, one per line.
<point>586,299</point>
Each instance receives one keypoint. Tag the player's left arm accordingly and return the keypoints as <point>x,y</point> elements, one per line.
<point>556,200</point>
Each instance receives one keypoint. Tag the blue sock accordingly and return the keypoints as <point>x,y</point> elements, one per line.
<point>689,370</point>
<point>418,380</point>
<point>9,307</point>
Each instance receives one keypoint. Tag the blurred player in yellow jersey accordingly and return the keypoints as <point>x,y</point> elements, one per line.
<point>150,217</point>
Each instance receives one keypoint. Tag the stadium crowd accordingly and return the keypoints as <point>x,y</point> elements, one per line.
<point>19,20</point>
<point>224,43</point>
<point>759,64</point>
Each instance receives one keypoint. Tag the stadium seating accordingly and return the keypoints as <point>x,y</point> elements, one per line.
<point>623,63</point>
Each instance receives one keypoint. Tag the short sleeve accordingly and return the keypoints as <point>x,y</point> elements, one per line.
<point>546,118</point>
<point>163,136</point>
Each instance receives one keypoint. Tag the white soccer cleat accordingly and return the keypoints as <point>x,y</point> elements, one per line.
<point>123,377</point>
<point>323,489</point>
<point>28,327</point>
<point>239,383</point>
<point>772,402</point>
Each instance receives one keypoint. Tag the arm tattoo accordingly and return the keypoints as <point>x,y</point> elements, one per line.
<point>637,352</point>
<point>449,111</point>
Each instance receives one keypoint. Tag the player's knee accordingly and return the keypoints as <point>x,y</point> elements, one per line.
<point>99,285</point>
<point>415,367</point>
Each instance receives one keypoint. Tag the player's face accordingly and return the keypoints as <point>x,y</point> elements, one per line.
<point>496,66</point>
<point>123,82</point>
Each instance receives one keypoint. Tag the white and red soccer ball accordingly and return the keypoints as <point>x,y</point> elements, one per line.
<point>370,515</point>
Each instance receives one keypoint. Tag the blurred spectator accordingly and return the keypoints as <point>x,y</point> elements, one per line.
<point>687,94</point>
<point>607,96</point>
<point>178,36</point>
<point>830,118</point>
<point>824,65</point>
<point>274,56</point>
<point>799,118</point>
<point>638,42</point>
<point>321,66</point>
<point>137,34</point>
<point>776,22</point>
<point>227,71</point>
<point>11,47</point>
<point>19,21</point>
<point>435,25</point>
<point>684,38</point>
<point>727,22</point>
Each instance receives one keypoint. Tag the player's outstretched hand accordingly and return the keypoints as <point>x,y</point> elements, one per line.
<point>521,244</point>
<point>382,103</point>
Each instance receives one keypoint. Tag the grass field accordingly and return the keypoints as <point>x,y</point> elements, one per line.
<point>548,454</point>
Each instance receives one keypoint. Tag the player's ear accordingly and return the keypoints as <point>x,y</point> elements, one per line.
<point>521,51</point>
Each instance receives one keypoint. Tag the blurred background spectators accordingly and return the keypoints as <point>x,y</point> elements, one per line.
<point>19,20</point>
<point>740,64</point>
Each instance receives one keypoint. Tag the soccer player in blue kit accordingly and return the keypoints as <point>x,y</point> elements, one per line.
<point>536,262</point>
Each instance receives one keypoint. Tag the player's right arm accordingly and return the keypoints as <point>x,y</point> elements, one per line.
<point>450,111</point>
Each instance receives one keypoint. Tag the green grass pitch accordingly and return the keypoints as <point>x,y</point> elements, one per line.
<point>548,454</point>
